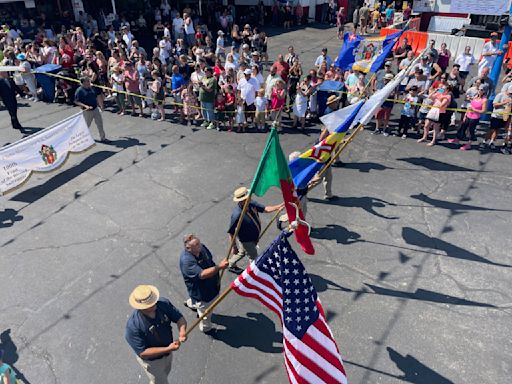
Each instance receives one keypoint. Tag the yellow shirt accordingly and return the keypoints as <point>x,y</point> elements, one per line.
<point>375,15</point>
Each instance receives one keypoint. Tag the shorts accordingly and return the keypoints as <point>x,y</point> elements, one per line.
<point>422,115</point>
<point>220,115</point>
<point>259,118</point>
<point>383,113</point>
<point>249,110</point>
<point>463,74</point>
<point>497,123</point>
<point>177,98</point>
<point>132,99</point>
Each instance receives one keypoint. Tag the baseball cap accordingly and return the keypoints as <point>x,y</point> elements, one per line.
<point>247,72</point>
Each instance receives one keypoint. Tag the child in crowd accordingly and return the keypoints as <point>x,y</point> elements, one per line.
<point>220,51</point>
<point>158,90</point>
<point>220,111</point>
<point>117,80</point>
<point>190,104</point>
<point>300,105</point>
<point>230,105</point>
<point>261,107</point>
<point>277,101</point>
<point>240,114</point>
<point>422,113</point>
<point>407,114</point>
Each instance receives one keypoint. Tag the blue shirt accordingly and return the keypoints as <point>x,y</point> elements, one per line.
<point>143,332</point>
<point>251,225</point>
<point>177,81</point>
<point>86,96</point>
<point>191,268</point>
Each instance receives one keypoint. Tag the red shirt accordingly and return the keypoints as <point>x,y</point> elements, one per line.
<point>220,105</point>
<point>282,69</point>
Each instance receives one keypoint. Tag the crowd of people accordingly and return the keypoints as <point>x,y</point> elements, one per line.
<point>217,78</point>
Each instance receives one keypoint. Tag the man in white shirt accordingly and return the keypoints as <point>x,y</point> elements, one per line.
<point>490,53</point>
<point>177,25</point>
<point>465,60</point>
<point>165,49</point>
<point>248,87</point>
<point>323,57</point>
<point>189,29</point>
<point>127,37</point>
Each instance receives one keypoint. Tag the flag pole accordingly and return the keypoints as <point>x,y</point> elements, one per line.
<point>237,229</point>
<point>208,310</point>
<point>246,205</point>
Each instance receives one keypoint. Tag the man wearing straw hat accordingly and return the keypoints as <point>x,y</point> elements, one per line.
<point>149,332</point>
<point>201,276</point>
<point>250,228</point>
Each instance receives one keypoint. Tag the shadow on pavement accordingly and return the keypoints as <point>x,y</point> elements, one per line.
<point>366,202</point>
<point>255,331</point>
<point>11,354</point>
<point>35,193</point>
<point>366,167</point>
<point>415,237</point>
<point>453,206</point>
<point>426,295</point>
<point>8,217</point>
<point>436,165</point>
<point>414,371</point>
<point>335,232</point>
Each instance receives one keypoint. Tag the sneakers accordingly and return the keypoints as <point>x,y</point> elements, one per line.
<point>404,136</point>
<point>453,141</point>
<point>376,132</point>
<point>385,134</point>
<point>210,126</point>
<point>236,270</point>
<point>205,124</point>
<point>465,147</point>
<point>506,150</point>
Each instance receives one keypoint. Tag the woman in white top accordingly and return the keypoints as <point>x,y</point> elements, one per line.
<point>230,62</point>
<point>189,29</point>
<point>257,75</point>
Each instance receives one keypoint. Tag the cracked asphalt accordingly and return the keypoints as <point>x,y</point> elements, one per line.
<point>413,261</point>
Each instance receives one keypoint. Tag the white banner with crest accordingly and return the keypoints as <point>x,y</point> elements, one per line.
<point>43,151</point>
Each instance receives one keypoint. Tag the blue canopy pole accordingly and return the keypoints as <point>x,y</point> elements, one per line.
<point>496,69</point>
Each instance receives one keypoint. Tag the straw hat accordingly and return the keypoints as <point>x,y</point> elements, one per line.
<point>332,99</point>
<point>240,194</point>
<point>144,296</point>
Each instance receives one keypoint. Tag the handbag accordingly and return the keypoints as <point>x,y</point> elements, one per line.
<point>433,114</point>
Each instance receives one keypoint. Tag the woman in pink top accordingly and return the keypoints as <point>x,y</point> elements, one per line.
<point>477,106</point>
<point>277,101</point>
<point>442,98</point>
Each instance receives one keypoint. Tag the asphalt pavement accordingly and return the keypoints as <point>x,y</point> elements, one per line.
<point>413,261</point>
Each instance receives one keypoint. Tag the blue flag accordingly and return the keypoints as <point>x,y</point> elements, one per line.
<point>365,55</point>
<point>310,162</point>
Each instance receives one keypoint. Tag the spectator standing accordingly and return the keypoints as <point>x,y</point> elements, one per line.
<point>323,58</point>
<point>465,60</point>
<point>207,89</point>
<point>490,53</point>
<point>364,17</point>
<point>131,77</point>
<point>443,59</point>
<point>477,106</point>
<point>117,81</point>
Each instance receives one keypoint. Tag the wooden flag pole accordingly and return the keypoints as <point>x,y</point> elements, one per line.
<point>237,229</point>
<point>208,310</point>
<point>270,223</point>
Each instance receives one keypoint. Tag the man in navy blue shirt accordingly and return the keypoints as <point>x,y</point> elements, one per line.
<point>178,84</point>
<point>201,276</point>
<point>250,228</point>
<point>85,97</point>
<point>149,332</point>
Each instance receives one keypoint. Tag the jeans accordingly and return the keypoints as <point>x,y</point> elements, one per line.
<point>207,111</point>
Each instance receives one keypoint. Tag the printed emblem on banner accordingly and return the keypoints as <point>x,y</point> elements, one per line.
<point>366,53</point>
<point>48,154</point>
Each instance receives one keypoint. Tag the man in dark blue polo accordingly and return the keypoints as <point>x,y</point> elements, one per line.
<point>85,97</point>
<point>201,277</point>
<point>149,332</point>
<point>250,228</point>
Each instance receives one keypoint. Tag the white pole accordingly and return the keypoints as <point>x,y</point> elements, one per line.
<point>114,7</point>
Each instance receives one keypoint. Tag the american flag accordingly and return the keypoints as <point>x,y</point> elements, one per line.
<point>279,281</point>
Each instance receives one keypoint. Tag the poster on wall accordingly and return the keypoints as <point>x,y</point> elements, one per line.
<point>424,5</point>
<point>480,7</point>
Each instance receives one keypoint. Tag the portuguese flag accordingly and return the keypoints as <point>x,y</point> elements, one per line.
<point>273,171</point>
